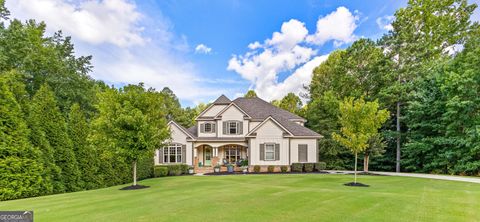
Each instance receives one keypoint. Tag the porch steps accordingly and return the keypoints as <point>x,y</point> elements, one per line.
<point>203,170</point>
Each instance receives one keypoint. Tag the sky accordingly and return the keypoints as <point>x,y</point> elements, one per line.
<point>202,49</point>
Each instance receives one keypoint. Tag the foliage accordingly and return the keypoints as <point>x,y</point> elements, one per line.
<point>256,168</point>
<point>296,167</point>
<point>161,171</point>
<point>250,94</point>
<point>291,103</point>
<point>320,166</point>
<point>270,168</point>
<point>283,169</point>
<point>308,167</point>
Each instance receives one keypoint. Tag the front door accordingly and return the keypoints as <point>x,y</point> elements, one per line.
<point>207,155</point>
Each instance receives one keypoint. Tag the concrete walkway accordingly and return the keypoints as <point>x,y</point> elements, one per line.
<point>418,175</point>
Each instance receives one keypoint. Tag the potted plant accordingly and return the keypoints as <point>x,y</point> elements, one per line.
<point>230,168</point>
<point>244,165</point>
<point>190,170</point>
<point>216,169</point>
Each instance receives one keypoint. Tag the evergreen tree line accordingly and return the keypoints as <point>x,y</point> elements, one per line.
<point>426,72</point>
<point>59,130</point>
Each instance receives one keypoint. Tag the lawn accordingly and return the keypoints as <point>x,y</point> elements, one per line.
<point>265,198</point>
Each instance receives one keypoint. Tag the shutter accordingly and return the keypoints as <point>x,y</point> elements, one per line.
<point>202,128</point>
<point>160,155</point>
<point>277,151</point>
<point>225,128</point>
<point>213,127</point>
<point>184,153</point>
<point>302,153</point>
<point>240,127</point>
<point>262,151</point>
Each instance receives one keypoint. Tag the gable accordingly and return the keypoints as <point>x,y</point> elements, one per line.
<point>212,110</point>
<point>269,128</point>
<point>232,113</point>
<point>177,133</point>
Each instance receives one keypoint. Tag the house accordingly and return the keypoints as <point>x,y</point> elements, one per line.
<point>243,129</point>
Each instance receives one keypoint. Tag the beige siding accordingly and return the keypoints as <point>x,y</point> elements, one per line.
<point>200,134</point>
<point>178,136</point>
<point>232,113</point>
<point>269,133</point>
<point>253,125</point>
<point>214,110</point>
<point>312,149</point>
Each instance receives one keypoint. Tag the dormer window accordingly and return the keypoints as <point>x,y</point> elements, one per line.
<point>232,127</point>
<point>207,127</point>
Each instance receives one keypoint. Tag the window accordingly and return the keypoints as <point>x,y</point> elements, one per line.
<point>232,154</point>
<point>302,153</point>
<point>208,127</point>
<point>172,153</point>
<point>269,151</point>
<point>232,128</point>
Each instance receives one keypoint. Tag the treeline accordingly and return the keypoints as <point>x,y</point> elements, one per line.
<point>56,122</point>
<point>426,72</point>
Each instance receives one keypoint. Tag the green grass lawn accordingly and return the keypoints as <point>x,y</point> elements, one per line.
<point>265,198</point>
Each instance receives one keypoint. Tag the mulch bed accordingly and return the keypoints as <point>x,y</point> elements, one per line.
<point>261,173</point>
<point>352,184</point>
<point>136,187</point>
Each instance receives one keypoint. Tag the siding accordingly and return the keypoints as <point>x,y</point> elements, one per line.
<point>178,137</point>
<point>269,133</point>
<point>200,134</point>
<point>232,113</point>
<point>312,149</point>
<point>214,110</point>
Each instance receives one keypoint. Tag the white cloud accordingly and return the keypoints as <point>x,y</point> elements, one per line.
<point>96,22</point>
<point>385,22</point>
<point>337,26</point>
<point>201,48</point>
<point>290,51</point>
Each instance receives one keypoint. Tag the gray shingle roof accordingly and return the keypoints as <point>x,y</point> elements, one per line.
<point>222,100</point>
<point>193,130</point>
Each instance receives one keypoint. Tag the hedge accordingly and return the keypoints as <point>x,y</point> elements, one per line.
<point>270,169</point>
<point>297,167</point>
<point>160,171</point>
<point>308,167</point>
<point>256,168</point>
<point>172,170</point>
<point>320,166</point>
<point>283,169</point>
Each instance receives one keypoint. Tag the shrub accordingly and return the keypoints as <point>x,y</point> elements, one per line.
<point>256,168</point>
<point>160,171</point>
<point>320,166</point>
<point>175,169</point>
<point>184,168</point>
<point>297,167</point>
<point>270,169</point>
<point>283,169</point>
<point>308,167</point>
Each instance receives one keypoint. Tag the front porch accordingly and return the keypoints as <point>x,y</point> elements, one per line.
<point>207,156</point>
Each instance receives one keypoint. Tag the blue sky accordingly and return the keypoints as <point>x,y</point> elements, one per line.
<point>201,49</point>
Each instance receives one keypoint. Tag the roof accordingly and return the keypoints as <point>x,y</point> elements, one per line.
<point>260,110</point>
<point>222,100</point>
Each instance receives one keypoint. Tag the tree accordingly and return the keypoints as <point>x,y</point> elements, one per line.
<point>291,103</point>
<point>129,118</point>
<point>49,131</point>
<point>4,13</point>
<point>20,168</point>
<point>251,94</point>
<point>360,121</point>
<point>422,32</point>
<point>86,155</point>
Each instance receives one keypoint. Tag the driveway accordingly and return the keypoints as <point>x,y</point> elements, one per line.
<point>418,175</point>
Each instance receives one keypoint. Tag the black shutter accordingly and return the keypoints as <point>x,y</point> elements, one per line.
<point>160,155</point>
<point>262,151</point>
<point>184,153</point>
<point>277,151</point>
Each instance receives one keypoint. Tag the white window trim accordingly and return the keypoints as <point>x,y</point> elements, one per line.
<point>273,150</point>
<point>205,128</point>
<point>237,128</point>
<point>166,153</point>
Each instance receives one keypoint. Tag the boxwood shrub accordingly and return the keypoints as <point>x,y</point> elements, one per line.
<point>160,171</point>
<point>270,169</point>
<point>283,169</point>
<point>297,167</point>
<point>308,167</point>
<point>320,166</point>
<point>256,168</point>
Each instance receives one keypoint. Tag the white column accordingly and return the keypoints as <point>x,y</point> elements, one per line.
<point>194,152</point>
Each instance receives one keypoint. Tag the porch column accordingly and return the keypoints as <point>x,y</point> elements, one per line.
<point>194,152</point>
<point>215,151</point>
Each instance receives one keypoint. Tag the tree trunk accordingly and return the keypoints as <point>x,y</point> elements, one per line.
<point>134,173</point>
<point>355,167</point>
<point>397,168</point>
<point>365,162</point>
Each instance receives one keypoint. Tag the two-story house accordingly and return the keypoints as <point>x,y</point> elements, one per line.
<point>245,128</point>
